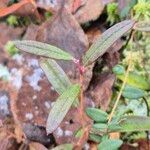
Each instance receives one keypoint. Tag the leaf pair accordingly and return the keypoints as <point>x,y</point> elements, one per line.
<point>96,50</point>
<point>125,124</point>
<point>68,93</point>
<point>61,107</point>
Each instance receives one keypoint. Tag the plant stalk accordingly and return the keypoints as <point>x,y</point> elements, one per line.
<point>120,92</point>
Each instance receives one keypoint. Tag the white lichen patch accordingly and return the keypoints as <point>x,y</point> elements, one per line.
<point>29,116</point>
<point>92,104</point>
<point>59,132</point>
<point>52,104</point>
<point>52,88</point>
<point>86,146</point>
<point>24,104</point>
<point>68,133</point>
<point>33,63</point>
<point>36,107</point>
<point>47,104</point>
<point>34,79</point>
<point>36,112</point>
<point>50,3</point>
<point>66,122</point>
<point>18,58</point>
<point>34,97</point>
<point>4,73</point>
<point>16,78</point>
<point>4,108</point>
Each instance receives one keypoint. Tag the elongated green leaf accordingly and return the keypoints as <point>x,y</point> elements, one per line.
<point>79,133</point>
<point>110,144</point>
<point>101,127</point>
<point>136,80</point>
<point>133,79</point>
<point>61,107</point>
<point>112,127</point>
<point>106,40</point>
<point>64,147</point>
<point>42,49</point>
<point>132,92</point>
<point>95,138</point>
<point>118,70</point>
<point>134,123</point>
<point>97,114</point>
<point>56,76</point>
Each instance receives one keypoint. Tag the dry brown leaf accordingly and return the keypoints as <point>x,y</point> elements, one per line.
<point>83,10</point>
<point>36,146</point>
<point>3,3</point>
<point>31,32</point>
<point>115,135</point>
<point>112,57</point>
<point>55,5</point>
<point>8,10</point>
<point>20,136</point>
<point>93,146</point>
<point>102,90</point>
<point>9,33</point>
<point>93,33</point>
<point>90,11</point>
<point>76,4</point>
<point>7,138</point>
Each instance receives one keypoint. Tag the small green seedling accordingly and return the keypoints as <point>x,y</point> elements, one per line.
<point>73,93</point>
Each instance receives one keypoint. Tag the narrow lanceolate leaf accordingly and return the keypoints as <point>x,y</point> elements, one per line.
<point>61,107</point>
<point>97,114</point>
<point>112,127</point>
<point>134,123</point>
<point>100,127</point>
<point>42,49</point>
<point>56,76</point>
<point>64,147</point>
<point>110,144</point>
<point>95,138</point>
<point>106,40</point>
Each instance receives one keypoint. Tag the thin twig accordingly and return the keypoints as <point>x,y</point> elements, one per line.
<point>148,113</point>
<point>128,40</point>
<point>121,90</point>
<point>81,100</point>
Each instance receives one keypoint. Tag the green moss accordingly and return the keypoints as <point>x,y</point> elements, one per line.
<point>112,11</point>
<point>12,20</point>
<point>10,48</point>
<point>142,10</point>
